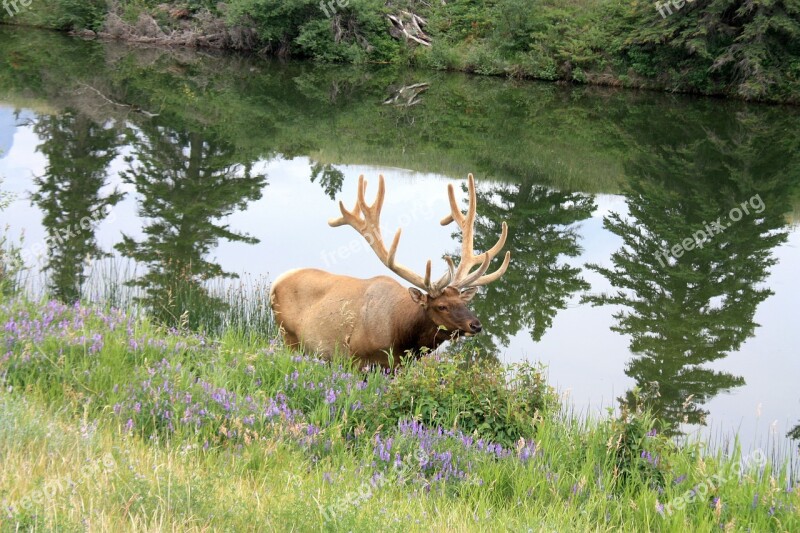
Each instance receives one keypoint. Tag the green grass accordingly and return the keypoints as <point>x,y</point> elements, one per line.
<point>111,422</point>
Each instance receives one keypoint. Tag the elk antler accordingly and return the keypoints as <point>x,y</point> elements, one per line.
<point>370,228</point>
<point>466,277</point>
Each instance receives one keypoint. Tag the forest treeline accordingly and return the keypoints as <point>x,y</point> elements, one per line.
<point>748,49</point>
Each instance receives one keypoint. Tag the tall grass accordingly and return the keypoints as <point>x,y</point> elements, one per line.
<point>218,306</point>
<point>109,421</point>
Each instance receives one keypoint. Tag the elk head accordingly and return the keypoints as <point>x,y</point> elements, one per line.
<point>449,310</point>
<point>444,301</point>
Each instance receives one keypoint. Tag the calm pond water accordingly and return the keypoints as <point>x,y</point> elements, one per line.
<point>196,166</point>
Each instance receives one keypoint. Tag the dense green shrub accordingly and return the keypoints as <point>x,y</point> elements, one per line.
<point>747,48</point>
<point>464,21</point>
<point>440,57</point>
<point>355,33</point>
<point>480,398</point>
<point>77,14</point>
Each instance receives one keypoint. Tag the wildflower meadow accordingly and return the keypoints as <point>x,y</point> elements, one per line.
<point>230,431</point>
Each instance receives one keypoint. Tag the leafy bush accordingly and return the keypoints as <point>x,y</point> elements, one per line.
<point>479,399</point>
<point>515,24</point>
<point>314,40</point>
<point>77,14</point>
<point>464,21</point>
<point>441,56</point>
<point>637,450</point>
<point>355,32</point>
<point>713,45</point>
<point>484,60</point>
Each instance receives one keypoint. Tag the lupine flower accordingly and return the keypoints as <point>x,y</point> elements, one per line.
<point>330,396</point>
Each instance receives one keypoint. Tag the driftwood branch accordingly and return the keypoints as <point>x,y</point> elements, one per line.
<point>202,31</point>
<point>407,96</point>
<point>409,26</point>
<point>118,104</point>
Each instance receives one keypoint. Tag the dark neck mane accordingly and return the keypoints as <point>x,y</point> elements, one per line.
<point>420,332</point>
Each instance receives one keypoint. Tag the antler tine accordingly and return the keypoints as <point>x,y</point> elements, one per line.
<point>467,245</point>
<point>428,274</point>
<point>445,280</point>
<point>501,241</point>
<point>467,281</point>
<point>369,227</point>
<point>466,223</point>
<point>492,252</point>
<point>488,278</point>
<point>351,217</point>
<point>464,275</point>
<point>484,280</point>
<point>455,212</point>
<point>373,210</point>
<point>393,248</point>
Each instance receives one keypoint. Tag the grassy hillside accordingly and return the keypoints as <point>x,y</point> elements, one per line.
<point>745,49</point>
<point>110,422</point>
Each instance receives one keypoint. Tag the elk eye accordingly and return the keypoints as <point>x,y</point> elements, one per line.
<point>442,308</point>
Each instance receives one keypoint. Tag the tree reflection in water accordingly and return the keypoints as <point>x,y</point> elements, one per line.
<point>538,283</point>
<point>187,182</point>
<point>78,152</point>
<point>699,307</point>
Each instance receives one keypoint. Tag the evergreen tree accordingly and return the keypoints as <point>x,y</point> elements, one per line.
<point>751,46</point>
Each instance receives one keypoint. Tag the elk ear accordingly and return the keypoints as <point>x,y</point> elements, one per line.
<point>469,294</point>
<point>418,296</point>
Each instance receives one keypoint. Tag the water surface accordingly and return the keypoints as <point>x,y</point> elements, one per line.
<point>195,168</point>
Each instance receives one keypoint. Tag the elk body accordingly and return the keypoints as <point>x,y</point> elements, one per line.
<point>370,319</point>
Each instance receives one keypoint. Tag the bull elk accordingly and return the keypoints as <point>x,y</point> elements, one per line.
<point>370,319</point>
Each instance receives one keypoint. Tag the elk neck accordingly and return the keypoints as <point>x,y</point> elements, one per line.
<point>415,330</point>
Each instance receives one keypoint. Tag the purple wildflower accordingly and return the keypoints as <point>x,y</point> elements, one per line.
<point>330,396</point>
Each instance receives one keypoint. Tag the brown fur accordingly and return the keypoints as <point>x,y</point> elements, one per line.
<point>366,318</point>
